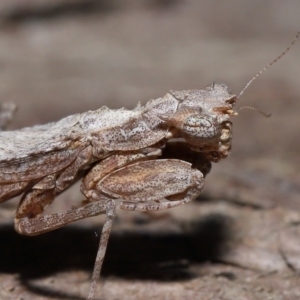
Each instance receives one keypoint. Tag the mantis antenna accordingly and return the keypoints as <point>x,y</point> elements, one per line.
<point>268,66</point>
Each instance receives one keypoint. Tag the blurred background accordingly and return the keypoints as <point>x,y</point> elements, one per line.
<point>240,239</point>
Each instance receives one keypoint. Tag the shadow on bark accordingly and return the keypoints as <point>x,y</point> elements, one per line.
<point>141,255</point>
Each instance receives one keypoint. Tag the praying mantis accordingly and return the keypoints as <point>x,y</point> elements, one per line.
<point>127,159</point>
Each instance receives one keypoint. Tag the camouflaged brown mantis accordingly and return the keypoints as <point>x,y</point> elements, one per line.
<point>125,155</point>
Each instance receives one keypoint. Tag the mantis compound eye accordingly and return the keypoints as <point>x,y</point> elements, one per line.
<point>202,132</point>
<point>198,129</point>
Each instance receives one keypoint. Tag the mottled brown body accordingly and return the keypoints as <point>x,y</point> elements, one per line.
<point>126,155</point>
